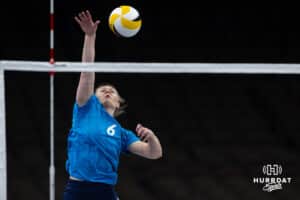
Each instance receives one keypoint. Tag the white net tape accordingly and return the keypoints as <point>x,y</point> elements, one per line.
<point>235,68</point>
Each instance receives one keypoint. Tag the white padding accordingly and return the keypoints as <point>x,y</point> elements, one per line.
<point>3,177</point>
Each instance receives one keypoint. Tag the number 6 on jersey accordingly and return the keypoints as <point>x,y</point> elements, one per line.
<point>111,130</point>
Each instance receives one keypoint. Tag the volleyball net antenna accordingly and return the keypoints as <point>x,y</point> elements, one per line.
<point>106,67</point>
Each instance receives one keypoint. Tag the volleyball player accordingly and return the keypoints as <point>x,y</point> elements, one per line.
<point>96,139</point>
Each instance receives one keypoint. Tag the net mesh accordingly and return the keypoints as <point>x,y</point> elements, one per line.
<point>151,73</point>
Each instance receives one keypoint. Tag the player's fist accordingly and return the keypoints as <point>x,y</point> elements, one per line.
<point>144,133</point>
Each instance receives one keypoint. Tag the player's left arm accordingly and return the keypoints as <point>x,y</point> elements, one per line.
<point>149,146</point>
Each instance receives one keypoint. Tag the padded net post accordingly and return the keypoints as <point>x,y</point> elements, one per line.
<point>3,178</point>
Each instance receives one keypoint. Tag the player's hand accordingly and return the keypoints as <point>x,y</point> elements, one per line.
<point>86,23</point>
<point>144,133</point>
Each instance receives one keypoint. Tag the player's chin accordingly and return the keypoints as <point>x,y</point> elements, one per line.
<point>109,103</point>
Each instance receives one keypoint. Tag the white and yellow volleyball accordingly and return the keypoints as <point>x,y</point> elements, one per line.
<point>125,21</point>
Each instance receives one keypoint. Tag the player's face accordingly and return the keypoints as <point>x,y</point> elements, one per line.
<point>108,95</point>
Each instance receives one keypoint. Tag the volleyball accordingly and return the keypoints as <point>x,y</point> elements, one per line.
<point>125,21</point>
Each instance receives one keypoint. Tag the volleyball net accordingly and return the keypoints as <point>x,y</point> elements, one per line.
<point>106,67</point>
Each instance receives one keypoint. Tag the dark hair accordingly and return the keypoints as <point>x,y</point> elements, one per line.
<point>122,102</point>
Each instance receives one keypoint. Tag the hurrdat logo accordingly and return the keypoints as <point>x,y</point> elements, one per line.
<point>273,180</point>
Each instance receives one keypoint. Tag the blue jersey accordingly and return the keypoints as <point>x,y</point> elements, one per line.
<point>95,143</point>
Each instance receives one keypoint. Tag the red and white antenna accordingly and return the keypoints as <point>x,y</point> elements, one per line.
<point>51,32</point>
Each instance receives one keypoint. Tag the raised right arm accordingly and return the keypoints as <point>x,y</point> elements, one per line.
<point>87,79</point>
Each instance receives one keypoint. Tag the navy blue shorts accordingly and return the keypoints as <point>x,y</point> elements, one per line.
<point>82,190</point>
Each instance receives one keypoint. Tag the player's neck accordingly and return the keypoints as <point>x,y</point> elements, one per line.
<point>110,111</point>
<point>109,107</point>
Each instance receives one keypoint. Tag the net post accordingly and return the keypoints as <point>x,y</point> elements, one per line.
<point>3,162</point>
<point>52,165</point>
